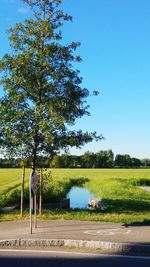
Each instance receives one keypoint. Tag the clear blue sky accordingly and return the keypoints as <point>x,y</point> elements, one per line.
<point>115,48</point>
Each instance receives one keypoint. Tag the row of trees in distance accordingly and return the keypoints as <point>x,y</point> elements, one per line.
<point>101,159</point>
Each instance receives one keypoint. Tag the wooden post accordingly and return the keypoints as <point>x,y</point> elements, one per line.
<point>22,190</point>
<point>31,204</point>
<point>40,200</point>
<point>35,216</point>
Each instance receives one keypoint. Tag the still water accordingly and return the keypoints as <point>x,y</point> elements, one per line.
<point>79,197</point>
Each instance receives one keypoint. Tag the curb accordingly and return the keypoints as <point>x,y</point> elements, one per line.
<point>105,247</point>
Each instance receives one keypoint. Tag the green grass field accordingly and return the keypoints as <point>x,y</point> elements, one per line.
<point>118,188</point>
<point>11,178</point>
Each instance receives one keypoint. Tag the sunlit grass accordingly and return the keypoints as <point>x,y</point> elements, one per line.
<point>10,178</point>
<point>118,188</point>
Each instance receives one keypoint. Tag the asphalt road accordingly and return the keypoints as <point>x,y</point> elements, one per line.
<point>77,230</point>
<point>38,258</point>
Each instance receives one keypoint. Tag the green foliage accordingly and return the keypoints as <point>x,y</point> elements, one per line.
<point>101,159</point>
<point>47,180</point>
<point>55,188</point>
<point>125,161</point>
<point>43,93</point>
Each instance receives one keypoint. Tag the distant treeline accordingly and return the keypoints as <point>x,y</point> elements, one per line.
<point>101,159</point>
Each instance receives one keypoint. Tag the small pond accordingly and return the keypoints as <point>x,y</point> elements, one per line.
<point>79,197</point>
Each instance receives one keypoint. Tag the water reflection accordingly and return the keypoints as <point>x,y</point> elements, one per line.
<point>79,197</point>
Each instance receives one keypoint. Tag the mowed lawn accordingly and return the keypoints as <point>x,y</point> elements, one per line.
<point>119,189</point>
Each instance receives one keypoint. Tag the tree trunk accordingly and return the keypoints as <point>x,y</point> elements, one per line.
<point>34,157</point>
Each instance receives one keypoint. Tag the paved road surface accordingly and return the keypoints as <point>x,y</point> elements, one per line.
<point>38,258</point>
<point>98,231</point>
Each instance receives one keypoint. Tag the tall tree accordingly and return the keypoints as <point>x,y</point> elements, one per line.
<point>88,159</point>
<point>43,93</point>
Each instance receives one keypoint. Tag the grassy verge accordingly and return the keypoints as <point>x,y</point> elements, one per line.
<point>82,215</point>
<point>119,189</point>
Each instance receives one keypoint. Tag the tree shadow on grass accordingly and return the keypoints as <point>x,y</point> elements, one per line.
<point>133,182</point>
<point>79,181</point>
<point>126,205</point>
<point>146,222</point>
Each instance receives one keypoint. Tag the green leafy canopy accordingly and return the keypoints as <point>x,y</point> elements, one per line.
<point>43,93</point>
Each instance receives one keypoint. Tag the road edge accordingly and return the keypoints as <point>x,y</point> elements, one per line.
<point>102,246</point>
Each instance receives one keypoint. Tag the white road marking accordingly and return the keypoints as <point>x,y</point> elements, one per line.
<point>108,232</point>
<point>72,253</point>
